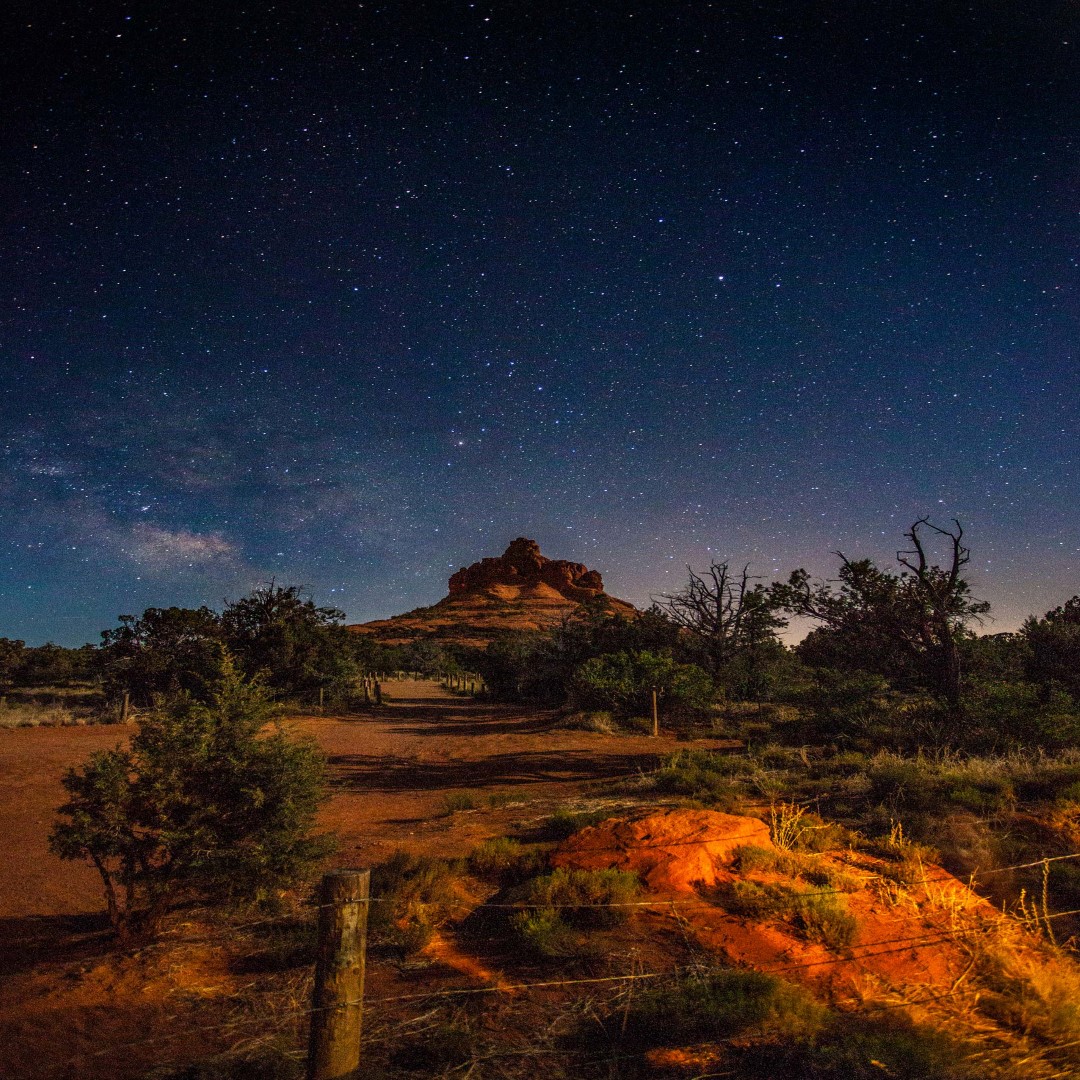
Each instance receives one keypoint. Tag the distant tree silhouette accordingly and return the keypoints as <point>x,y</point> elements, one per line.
<point>1053,644</point>
<point>162,652</point>
<point>911,622</point>
<point>295,645</point>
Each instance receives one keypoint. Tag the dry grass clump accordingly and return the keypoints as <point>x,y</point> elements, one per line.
<point>504,859</point>
<point>562,909</point>
<point>34,714</point>
<point>721,1004</point>
<point>412,895</point>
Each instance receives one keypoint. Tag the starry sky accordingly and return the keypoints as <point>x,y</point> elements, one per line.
<point>351,295</point>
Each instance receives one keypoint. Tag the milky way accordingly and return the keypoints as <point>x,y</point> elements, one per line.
<point>350,296</point>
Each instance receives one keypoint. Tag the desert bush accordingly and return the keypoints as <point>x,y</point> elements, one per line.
<point>565,822</point>
<point>754,900</point>
<point>503,858</point>
<point>545,933</point>
<point>750,859</point>
<point>412,895</point>
<point>562,908</point>
<point>457,801</point>
<point>855,1047</point>
<point>702,776</point>
<point>204,804</point>
<point>585,897</point>
<point>722,1004</point>
<point>822,917</point>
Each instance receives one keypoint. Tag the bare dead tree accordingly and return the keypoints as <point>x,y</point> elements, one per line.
<point>726,611</point>
<point>944,602</point>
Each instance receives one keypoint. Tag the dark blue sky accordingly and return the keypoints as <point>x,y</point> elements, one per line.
<point>352,295</point>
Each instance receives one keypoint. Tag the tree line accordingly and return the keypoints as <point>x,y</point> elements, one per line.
<point>893,653</point>
<point>211,800</point>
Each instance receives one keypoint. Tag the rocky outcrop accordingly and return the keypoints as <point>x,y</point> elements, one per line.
<point>519,590</point>
<point>522,564</point>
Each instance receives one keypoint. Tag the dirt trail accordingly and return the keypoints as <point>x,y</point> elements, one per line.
<point>393,772</point>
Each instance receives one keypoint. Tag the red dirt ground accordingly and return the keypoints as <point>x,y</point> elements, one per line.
<point>391,772</point>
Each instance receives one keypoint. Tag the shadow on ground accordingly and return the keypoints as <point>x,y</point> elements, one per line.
<point>35,939</point>
<point>371,772</point>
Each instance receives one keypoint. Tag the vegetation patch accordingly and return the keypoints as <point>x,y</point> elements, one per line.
<point>458,801</point>
<point>412,895</point>
<point>504,859</point>
<point>565,822</point>
<point>705,777</point>
<point>722,1004</point>
<point>561,909</point>
<point>823,917</point>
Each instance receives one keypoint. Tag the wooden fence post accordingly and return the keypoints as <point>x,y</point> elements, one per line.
<point>655,716</point>
<point>338,999</point>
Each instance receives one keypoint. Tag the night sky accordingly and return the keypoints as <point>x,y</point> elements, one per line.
<point>351,295</point>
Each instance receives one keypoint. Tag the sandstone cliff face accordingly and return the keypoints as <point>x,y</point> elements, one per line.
<point>519,590</point>
<point>522,564</point>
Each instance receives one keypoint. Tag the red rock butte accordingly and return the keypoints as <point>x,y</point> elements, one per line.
<point>519,590</point>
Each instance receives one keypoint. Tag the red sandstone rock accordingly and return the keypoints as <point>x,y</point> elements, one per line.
<point>522,564</point>
<point>673,850</point>
<point>519,590</point>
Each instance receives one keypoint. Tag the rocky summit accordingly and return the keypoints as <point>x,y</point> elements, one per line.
<point>518,590</point>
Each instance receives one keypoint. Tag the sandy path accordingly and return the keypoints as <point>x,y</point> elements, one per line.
<point>393,773</point>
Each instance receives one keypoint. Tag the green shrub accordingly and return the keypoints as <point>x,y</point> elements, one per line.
<point>457,800</point>
<point>204,804</point>
<point>547,935</point>
<point>703,776</point>
<point>622,683</point>
<point>752,900</point>
<point>585,898</point>
<point>564,823</point>
<point>411,896</point>
<point>720,1005</point>
<point>985,797</point>
<point>502,858</point>
<point>750,859</point>
<point>823,917</point>
<point>560,909</point>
